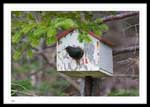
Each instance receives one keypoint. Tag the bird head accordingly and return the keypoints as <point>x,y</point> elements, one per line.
<point>68,47</point>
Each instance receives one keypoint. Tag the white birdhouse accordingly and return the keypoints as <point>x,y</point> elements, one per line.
<point>96,60</point>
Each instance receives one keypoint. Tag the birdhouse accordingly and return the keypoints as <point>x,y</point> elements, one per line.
<point>83,59</point>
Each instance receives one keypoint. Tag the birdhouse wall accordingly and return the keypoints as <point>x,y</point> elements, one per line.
<point>106,59</point>
<point>90,59</point>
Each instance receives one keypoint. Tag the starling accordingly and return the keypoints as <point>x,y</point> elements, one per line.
<point>75,52</point>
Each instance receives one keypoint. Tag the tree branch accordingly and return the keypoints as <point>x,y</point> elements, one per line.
<point>73,83</point>
<point>124,50</point>
<point>126,75</point>
<point>38,70</point>
<point>50,46</point>
<point>47,61</point>
<point>119,16</point>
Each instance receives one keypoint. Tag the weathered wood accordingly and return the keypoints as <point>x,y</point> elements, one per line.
<point>96,60</point>
<point>88,86</point>
<point>96,85</point>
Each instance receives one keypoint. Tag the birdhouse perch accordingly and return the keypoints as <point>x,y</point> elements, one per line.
<point>84,59</point>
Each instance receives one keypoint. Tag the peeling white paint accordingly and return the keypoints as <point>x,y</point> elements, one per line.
<point>91,59</point>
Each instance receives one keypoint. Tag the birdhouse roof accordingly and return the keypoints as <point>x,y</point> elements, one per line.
<point>64,33</point>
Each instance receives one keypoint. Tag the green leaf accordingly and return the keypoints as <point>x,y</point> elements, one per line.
<point>51,40</point>
<point>17,55</point>
<point>103,27</point>
<point>68,23</point>
<point>98,32</point>
<point>87,39</point>
<point>31,37</point>
<point>29,53</point>
<point>83,37</point>
<point>57,22</point>
<point>35,42</point>
<point>51,32</point>
<point>30,16</point>
<point>27,28</point>
<point>21,85</point>
<point>16,37</point>
<point>64,23</point>
<point>17,13</point>
<point>99,20</point>
<point>80,38</point>
<point>40,30</point>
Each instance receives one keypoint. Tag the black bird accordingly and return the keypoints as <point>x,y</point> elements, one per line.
<point>75,52</point>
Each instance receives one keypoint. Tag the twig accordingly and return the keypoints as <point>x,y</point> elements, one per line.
<point>51,46</point>
<point>119,16</point>
<point>38,70</point>
<point>39,52</point>
<point>123,50</point>
<point>130,26</point>
<point>70,80</point>
<point>47,61</point>
<point>37,17</point>
<point>124,75</point>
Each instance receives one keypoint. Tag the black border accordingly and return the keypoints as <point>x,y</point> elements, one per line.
<point>63,1</point>
<point>75,1</point>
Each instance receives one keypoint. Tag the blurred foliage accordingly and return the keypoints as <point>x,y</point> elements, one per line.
<point>26,67</point>
<point>129,92</point>
<point>22,80</point>
<point>29,27</point>
<point>60,85</point>
<point>20,87</point>
<point>57,88</point>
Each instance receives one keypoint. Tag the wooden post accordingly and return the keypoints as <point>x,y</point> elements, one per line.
<point>90,86</point>
<point>96,86</point>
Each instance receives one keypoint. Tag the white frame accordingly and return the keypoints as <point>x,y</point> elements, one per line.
<point>8,99</point>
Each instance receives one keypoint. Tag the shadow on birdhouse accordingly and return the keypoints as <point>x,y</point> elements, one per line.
<point>84,59</point>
